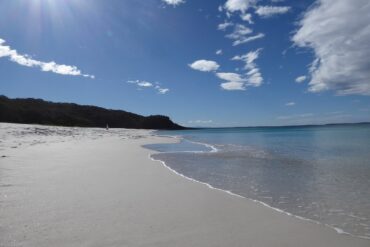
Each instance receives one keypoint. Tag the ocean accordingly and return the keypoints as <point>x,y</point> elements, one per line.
<point>318,173</point>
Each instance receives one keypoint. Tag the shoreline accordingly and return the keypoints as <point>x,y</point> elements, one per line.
<point>104,191</point>
<point>215,150</point>
<point>338,230</point>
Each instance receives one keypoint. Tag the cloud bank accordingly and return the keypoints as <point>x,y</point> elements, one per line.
<point>26,60</point>
<point>338,32</point>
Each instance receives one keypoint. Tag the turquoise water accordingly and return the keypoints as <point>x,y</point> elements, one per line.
<point>319,173</point>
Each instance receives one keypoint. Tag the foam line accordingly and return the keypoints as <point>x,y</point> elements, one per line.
<point>181,138</point>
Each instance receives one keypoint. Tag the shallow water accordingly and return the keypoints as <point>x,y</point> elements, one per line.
<point>319,173</point>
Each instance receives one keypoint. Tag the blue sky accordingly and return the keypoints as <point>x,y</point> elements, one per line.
<point>201,62</point>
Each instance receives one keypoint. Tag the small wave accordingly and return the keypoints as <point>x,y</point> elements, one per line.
<point>212,147</point>
<point>180,139</point>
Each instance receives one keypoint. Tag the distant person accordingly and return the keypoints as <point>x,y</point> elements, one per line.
<point>107,127</point>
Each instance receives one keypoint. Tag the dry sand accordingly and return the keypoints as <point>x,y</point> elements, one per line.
<point>91,187</point>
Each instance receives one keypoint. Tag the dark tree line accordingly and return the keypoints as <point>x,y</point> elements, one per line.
<point>37,111</point>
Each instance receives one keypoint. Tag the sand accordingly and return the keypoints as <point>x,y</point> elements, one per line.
<point>92,187</point>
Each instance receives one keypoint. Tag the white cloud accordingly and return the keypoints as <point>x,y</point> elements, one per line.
<point>224,26</point>
<point>248,58</point>
<point>146,84</point>
<point>239,5</point>
<point>230,77</point>
<point>234,81</point>
<point>268,11</point>
<point>248,39</point>
<point>26,60</point>
<point>233,85</point>
<point>163,90</point>
<point>247,17</point>
<point>141,83</point>
<point>204,65</point>
<point>300,79</point>
<point>339,34</point>
<point>251,78</point>
<point>253,74</point>
<point>241,33</point>
<point>219,52</point>
<point>174,2</point>
<point>290,104</point>
<point>255,78</point>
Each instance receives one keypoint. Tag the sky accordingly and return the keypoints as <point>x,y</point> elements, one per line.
<point>213,63</point>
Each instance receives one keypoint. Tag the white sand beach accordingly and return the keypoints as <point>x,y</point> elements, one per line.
<point>92,187</point>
